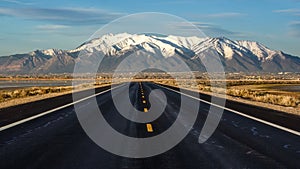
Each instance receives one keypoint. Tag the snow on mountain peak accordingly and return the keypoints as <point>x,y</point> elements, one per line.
<point>187,42</point>
<point>118,44</point>
<point>50,52</point>
<point>103,43</point>
<point>114,44</point>
<point>225,47</point>
<point>261,51</point>
<point>246,56</point>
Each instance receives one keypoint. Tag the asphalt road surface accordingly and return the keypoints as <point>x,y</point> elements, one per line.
<point>57,140</point>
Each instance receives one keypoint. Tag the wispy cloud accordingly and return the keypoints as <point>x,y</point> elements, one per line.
<point>50,27</point>
<point>65,16</point>
<point>294,29</point>
<point>293,26</point>
<point>225,15</point>
<point>17,2</point>
<point>294,23</point>
<point>178,2</point>
<point>292,11</point>
<point>211,30</point>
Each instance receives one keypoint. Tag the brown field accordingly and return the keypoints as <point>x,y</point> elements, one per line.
<point>251,91</point>
<point>248,91</point>
<point>15,96</point>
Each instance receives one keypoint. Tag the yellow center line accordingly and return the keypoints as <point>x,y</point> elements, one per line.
<point>149,127</point>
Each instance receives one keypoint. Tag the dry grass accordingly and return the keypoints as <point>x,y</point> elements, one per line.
<point>260,82</point>
<point>235,88</point>
<point>283,99</point>
<point>32,91</point>
<point>262,96</point>
<point>6,95</point>
<point>53,93</point>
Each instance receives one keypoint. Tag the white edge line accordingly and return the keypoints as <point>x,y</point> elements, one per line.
<point>237,112</point>
<point>53,110</point>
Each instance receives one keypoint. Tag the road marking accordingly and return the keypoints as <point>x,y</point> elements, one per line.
<point>148,125</point>
<point>237,112</point>
<point>53,110</point>
<point>149,128</point>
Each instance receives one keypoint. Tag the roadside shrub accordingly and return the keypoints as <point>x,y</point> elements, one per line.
<point>261,96</point>
<point>33,91</point>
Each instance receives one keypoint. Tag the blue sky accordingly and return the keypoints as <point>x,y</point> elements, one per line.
<point>64,24</point>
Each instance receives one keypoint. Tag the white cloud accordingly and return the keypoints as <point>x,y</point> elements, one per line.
<point>293,11</point>
<point>210,29</point>
<point>294,26</point>
<point>294,29</point>
<point>66,16</point>
<point>225,15</point>
<point>17,2</point>
<point>294,23</point>
<point>51,27</point>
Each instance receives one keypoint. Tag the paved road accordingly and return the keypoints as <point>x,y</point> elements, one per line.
<point>57,140</point>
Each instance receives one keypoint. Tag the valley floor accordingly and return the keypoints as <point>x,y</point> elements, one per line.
<point>279,95</point>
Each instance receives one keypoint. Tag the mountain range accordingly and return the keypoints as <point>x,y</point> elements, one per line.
<point>235,55</point>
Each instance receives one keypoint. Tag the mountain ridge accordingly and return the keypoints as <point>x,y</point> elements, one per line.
<point>235,55</point>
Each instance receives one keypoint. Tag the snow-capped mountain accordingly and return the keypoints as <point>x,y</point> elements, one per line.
<point>241,56</point>
<point>262,52</point>
<point>120,43</point>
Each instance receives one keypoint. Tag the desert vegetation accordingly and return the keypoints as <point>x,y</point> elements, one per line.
<point>32,91</point>
<point>16,93</point>
<point>252,87</point>
<point>266,97</point>
<point>253,90</point>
